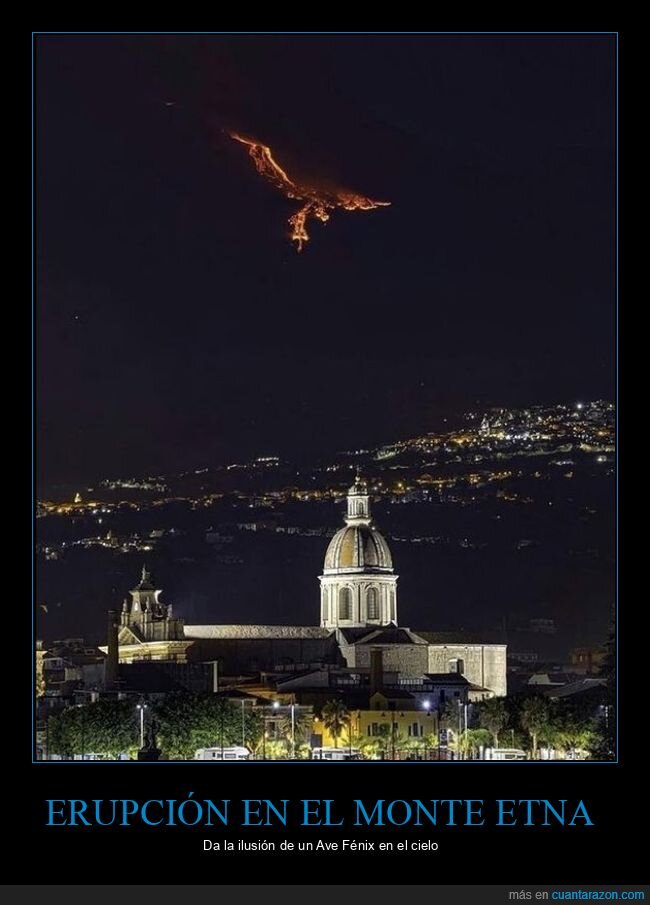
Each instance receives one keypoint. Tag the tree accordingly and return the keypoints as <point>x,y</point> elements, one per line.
<point>550,734</point>
<point>574,733</point>
<point>275,749</point>
<point>478,738</point>
<point>104,727</point>
<point>190,721</point>
<point>535,717</point>
<point>335,718</point>
<point>493,716</point>
<point>353,740</point>
<point>383,737</point>
<point>604,744</point>
<point>370,746</point>
<point>301,726</point>
<point>448,716</point>
<point>417,745</point>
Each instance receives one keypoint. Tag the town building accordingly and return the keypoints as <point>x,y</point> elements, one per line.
<point>358,615</point>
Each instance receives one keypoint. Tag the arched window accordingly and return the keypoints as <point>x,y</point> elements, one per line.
<point>345,603</point>
<point>372,603</point>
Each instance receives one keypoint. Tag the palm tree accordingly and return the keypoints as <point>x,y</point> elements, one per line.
<point>535,717</point>
<point>302,726</point>
<point>493,716</point>
<point>370,747</point>
<point>416,745</point>
<point>550,734</point>
<point>478,738</point>
<point>335,718</point>
<point>575,734</point>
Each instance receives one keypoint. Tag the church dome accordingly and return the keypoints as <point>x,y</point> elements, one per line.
<point>358,548</point>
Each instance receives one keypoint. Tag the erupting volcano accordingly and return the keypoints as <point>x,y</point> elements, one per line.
<point>315,202</point>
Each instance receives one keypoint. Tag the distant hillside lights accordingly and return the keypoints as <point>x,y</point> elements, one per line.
<point>490,436</point>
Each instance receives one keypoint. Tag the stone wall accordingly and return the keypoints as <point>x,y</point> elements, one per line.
<point>482,664</point>
<point>406,659</point>
<point>241,656</point>
<point>269,632</point>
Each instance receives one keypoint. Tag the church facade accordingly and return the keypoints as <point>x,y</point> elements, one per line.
<point>358,614</point>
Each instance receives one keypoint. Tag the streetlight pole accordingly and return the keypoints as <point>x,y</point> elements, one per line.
<point>243,723</point>
<point>276,705</point>
<point>427,706</point>
<point>350,734</point>
<point>460,724</point>
<point>606,709</point>
<point>264,736</point>
<point>293,730</point>
<point>141,707</point>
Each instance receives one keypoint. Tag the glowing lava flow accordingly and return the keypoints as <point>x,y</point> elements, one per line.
<point>316,202</point>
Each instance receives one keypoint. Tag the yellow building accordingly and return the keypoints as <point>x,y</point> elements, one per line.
<point>390,719</point>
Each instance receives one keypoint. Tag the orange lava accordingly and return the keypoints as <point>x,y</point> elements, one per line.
<point>315,202</point>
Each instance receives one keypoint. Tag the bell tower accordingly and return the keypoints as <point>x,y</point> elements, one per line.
<point>146,616</point>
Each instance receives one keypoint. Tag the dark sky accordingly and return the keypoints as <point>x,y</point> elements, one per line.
<point>177,325</point>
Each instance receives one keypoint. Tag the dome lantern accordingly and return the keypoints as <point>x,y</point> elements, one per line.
<point>358,503</point>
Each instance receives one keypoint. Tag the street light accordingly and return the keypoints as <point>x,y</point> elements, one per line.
<point>470,751</point>
<point>243,722</point>
<point>604,709</point>
<point>141,707</point>
<point>264,737</point>
<point>82,722</point>
<point>276,706</point>
<point>350,732</point>
<point>426,703</point>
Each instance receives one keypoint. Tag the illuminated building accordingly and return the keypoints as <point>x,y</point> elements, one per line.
<point>358,618</point>
<point>145,617</point>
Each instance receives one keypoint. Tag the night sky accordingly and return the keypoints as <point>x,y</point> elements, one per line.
<point>176,324</point>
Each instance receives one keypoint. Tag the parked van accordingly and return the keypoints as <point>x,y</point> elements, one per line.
<point>237,752</point>
<point>336,753</point>
<point>504,754</point>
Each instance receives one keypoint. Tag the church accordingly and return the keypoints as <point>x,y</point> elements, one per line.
<point>358,616</point>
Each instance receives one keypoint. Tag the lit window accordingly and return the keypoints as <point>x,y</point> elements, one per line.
<point>372,604</point>
<point>345,603</point>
